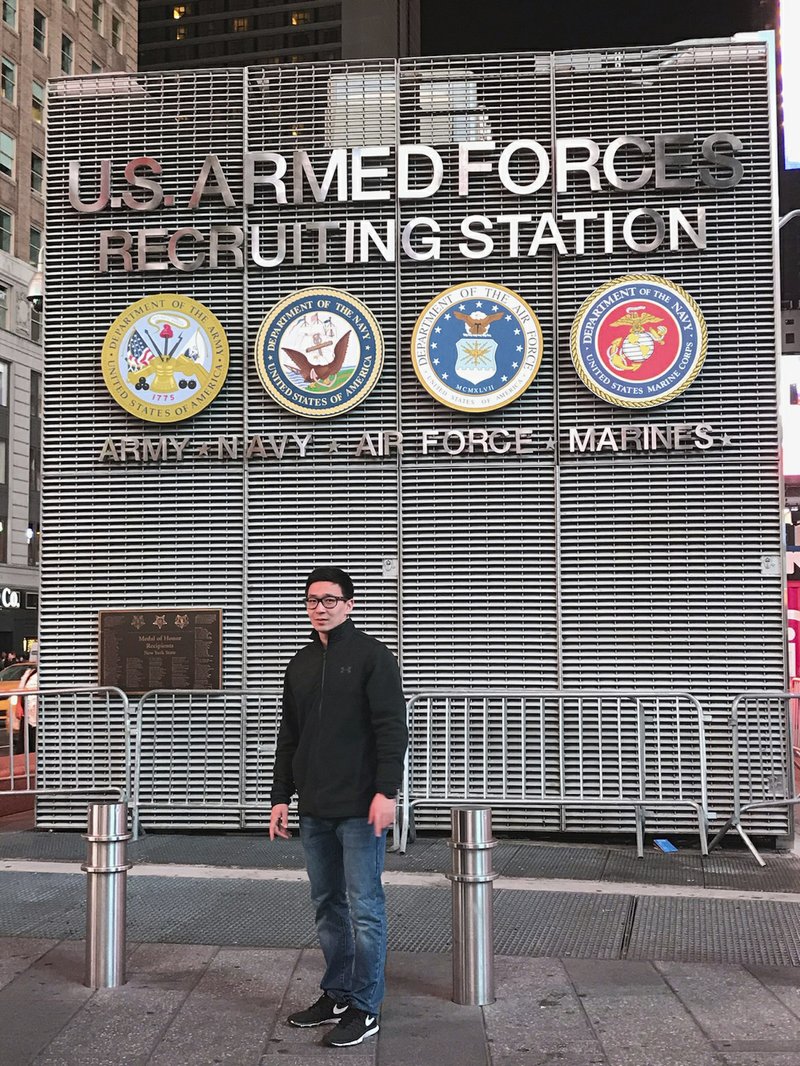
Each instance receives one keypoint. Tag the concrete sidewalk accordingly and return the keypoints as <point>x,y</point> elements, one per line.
<point>190,1005</point>
<point>602,958</point>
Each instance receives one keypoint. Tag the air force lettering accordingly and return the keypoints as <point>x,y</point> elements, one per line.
<point>638,341</point>
<point>476,346</point>
<point>319,352</point>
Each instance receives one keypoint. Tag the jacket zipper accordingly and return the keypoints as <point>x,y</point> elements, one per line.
<point>322,683</point>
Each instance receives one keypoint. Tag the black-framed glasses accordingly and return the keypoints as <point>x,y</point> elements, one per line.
<point>328,602</point>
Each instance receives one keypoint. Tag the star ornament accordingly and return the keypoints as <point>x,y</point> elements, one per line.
<point>160,621</point>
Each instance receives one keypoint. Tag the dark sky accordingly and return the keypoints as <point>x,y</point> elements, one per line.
<point>459,27</point>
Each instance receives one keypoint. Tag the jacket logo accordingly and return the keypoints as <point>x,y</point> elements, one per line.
<point>345,669</point>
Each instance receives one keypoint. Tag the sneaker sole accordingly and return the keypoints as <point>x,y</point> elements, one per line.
<point>323,1021</point>
<point>351,1043</point>
<point>313,1025</point>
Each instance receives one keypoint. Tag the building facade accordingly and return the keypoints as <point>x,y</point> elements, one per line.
<point>222,33</point>
<point>532,516</point>
<point>48,38</point>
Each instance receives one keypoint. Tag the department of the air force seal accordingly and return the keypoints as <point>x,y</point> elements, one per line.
<point>476,346</point>
<point>165,358</point>
<point>319,352</point>
<point>638,341</point>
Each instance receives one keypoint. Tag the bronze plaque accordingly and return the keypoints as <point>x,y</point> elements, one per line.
<point>174,648</point>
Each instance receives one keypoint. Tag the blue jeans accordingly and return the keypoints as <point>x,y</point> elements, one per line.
<point>344,860</point>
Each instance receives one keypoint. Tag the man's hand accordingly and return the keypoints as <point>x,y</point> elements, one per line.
<point>381,812</point>
<point>279,821</point>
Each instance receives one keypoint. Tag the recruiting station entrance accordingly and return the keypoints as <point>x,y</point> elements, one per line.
<point>494,333</point>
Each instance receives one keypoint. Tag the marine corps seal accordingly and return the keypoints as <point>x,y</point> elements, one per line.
<point>638,341</point>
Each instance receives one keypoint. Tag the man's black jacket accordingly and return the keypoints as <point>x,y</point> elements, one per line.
<point>343,732</point>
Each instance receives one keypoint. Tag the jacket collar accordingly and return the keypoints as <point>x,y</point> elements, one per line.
<point>337,634</point>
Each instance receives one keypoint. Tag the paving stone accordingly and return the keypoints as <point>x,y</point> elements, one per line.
<point>16,955</point>
<point>741,1009</point>
<point>421,1024</point>
<point>173,966</point>
<point>760,1058</point>
<point>636,1017</point>
<point>537,1018</point>
<point>124,1025</point>
<point>36,1006</point>
<point>783,982</point>
<point>229,1015</point>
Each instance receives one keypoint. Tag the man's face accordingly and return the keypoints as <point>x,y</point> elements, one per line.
<point>323,618</point>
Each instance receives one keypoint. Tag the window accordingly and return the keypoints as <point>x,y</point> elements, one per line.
<point>180,33</point>
<point>37,101</point>
<point>67,49</point>
<point>241,25</point>
<point>301,18</point>
<point>8,80</point>
<point>97,15</point>
<point>8,147</point>
<point>34,245</point>
<point>39,31</point>
<point>10,13</point>
<point>116,32</point>
<point>96,67</point>
<point>37,173</point>
<point>5,374</point>
<point>36,395</point>
<point>36,324</point>
<point>6,230</point>
<point>3,307</point>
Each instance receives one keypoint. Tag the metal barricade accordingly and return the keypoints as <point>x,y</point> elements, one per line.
<point>761,759</point>
<point>63,764</point>
<point>203,758</point>
<point>642,750</point>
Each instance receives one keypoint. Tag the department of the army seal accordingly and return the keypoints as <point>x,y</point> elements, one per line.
<point>319,352</point>
<point>638,341</point>
<point>477,346</point>
<point>165,358</point>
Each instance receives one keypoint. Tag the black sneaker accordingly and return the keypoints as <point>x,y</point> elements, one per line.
<point>323,1012</point>
<point>354,1027</point>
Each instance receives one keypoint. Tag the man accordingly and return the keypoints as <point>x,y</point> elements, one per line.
<point>341,746</point>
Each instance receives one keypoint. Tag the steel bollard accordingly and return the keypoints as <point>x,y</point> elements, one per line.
<point>473,925</point>
<point>106,869</point>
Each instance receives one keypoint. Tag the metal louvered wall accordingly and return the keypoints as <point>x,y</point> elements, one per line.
<point>543,570</point>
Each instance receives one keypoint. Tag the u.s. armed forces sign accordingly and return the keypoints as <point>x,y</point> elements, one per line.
<point>674,162</point>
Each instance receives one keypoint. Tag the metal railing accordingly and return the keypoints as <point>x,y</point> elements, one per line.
<point>63,763</point>
<point>532,749</point>
<point>761,754</point>
<point>206,751</point>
